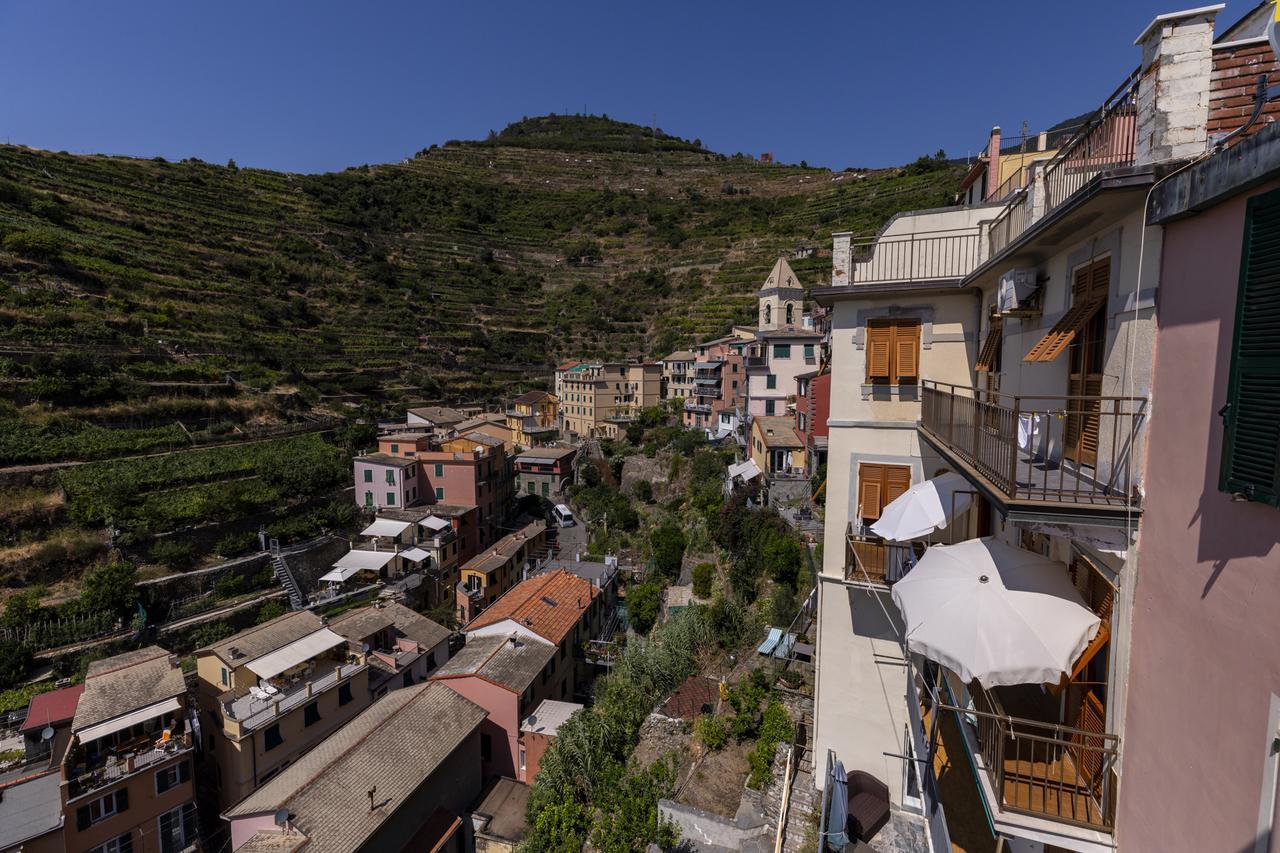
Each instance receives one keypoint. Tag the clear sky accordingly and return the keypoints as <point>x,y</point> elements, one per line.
<point>324,85</point>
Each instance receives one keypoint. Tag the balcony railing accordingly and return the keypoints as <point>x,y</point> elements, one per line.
<point>1107,140</point>
<point>871,560</point>
<point>922,256</point>
<point>255,713</point>
<point>756,360</point>
<point>1065,448</point>
<point>122,763</point>
<point>1046,770</point>
<point>698,407</point>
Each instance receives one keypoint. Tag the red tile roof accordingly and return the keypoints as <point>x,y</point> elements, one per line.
<point>549,605</point>
<point>56,706</point>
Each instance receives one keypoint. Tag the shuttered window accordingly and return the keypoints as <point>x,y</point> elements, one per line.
<point>1251,444</point>
<point>893,351</point>
<point>990,346</point>
<point>1089,290</point>
<point>878,485</point>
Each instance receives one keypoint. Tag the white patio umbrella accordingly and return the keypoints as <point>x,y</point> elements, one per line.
<point>993,612</point>
<point>924,508</point>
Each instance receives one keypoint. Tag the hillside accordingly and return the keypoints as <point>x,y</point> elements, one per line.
<point>213,314</point>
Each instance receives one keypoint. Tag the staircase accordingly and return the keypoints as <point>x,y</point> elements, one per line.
<point>804,796</point>
<point>296,599</point>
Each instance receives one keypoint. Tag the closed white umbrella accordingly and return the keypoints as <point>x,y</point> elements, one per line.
<point>995,613</point>
<point>924,508</point>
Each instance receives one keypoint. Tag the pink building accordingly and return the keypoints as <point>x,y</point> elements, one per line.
<point>719,382</point>
<point>813,407</point>
<point>386,482</point>
<point>1202,734</point>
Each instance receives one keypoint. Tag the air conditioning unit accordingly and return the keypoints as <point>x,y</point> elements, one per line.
<point>1018,292</point>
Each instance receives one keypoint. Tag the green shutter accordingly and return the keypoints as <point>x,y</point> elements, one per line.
<point>1251,444</point>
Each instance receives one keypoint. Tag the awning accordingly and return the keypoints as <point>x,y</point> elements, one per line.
<point>432,522</point>
<point>339,575</point>
<point>119,724</point>
<point>415,554</point>
<point>386,527</point>
<point>924,508</point>
<point>364,561</point>
<point>746,470</point>
<point>299,651</point>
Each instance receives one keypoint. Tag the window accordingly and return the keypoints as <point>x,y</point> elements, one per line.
<point>486,747</point>
<point>769,407</point>
<point>768,315</point>
<point>271,738</point>
<point>522,759</point>
<point>120,844</point>
<point>439,469</point>
<point>178,828</point>
<point>791,314</point>
<point>1089,288</point>
<point>408,679</point>
<point>102,808</point>
<point>172,777</point>
<point>368,475</point>
<point>1251,441</point>
<point>226,680</point>
<point>408,473</point>
<point>311,714</point>
<point>808,352</point>
<point>546,489</point>
<point>893,351</point>
<point>878,485</point>
<point>531,487</point>
<point>782,350</point>
<point>344,693</point>
<point>391,498</point>
<point>800,421</point>
<point>771,381</point>
<point>395,448</point>
<point>431,659</point>
<point>439,493</point>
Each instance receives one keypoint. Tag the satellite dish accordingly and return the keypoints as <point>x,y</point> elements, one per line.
<point>364,647</point>
<point>46,733</point>
<point>282,817</point>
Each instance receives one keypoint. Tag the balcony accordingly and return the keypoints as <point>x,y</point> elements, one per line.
<point>701,408</point>
<point>1073,456</point>
<point>1106,141</point>
<point>919,256</point>
<point>872,560</point>
<point>250,712</point>
<point>1030,770</point>
<point>122,761</point>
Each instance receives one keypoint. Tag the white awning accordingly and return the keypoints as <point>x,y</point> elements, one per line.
<point>119,724</point>
<point>432,522</point>
<point>415,554</point>
<point>339,575</point>
<point>299,651</point>
<point>364,561</point>
<point>746,470</point>
<point>385,527</point>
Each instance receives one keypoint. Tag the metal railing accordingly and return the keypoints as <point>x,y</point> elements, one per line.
<point>877,561</point>
<point>1066,448</point>
<point>1043,769</point>
<point>1106,140</point>
<point>1011,184</point>
<point>258,712</point>
<point>119,765</point>
<point>921,256</point>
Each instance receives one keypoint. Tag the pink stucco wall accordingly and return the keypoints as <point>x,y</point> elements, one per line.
<point>1205,657</point>
<point>243,828</point>
<point>502,725</point>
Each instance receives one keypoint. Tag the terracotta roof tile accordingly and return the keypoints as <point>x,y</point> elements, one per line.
<point>549,605</point>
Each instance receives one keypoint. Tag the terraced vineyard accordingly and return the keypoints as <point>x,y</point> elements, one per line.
<point>152,307</point>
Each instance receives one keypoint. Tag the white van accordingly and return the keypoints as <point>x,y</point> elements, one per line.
<point>562,515</point>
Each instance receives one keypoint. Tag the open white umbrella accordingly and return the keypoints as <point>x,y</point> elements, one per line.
<point>993,612</point>
<point>924,508</point>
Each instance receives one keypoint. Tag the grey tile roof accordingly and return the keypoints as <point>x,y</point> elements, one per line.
<point>124,683</point>
<point>497,659</point>
<point>395,744</point>
<point>30,809</point>
<point>387,459</point>
<point>504,802</point>
<point>260,639</point>
<point>438,414</point>
<point>358,624</point>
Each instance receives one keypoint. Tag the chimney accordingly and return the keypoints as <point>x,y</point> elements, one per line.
<point>1042,141</point>
<point>1173,91</point>
<point>840,258</point>
<point>993,161</point>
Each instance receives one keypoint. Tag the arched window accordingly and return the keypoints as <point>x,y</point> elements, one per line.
<point>768,314</point>
<point>790,314</point>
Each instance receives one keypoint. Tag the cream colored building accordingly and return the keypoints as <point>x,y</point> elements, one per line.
<point>677,375</point>
<point>601,398</point>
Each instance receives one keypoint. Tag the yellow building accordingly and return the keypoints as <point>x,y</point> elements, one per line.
<point>534,419</point>
<point>775,446</point>
<point>601,398</point>
<point>498,568</point>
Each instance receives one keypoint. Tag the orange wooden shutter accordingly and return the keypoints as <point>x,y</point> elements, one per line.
<point>897,479</point>
<point>906,343</point>
<point>990,346</point>
<point>870,482</point>
<point>1056,341</point>
<point>879,347</point>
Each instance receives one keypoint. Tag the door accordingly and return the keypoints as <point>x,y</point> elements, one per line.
<point>1086,357</point>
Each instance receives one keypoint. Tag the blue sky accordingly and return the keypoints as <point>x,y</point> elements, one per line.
<point>323,85</point>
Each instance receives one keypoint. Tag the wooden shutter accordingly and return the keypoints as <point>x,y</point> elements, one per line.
<point>906,351</point>
<point>879,348</point>
<point>122,800</point>
<point>1055,342</point>
<point>82,818</point>
<point>1251,444</point>
<point>870,484</point>
<point>990,346</point>
<point>897,479</point>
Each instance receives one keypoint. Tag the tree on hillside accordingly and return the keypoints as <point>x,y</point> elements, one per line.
<point>642,605</point>
<point>111,588</point>
<point>668,543</point>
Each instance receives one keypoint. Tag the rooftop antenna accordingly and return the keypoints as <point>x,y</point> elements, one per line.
<point>372,792</point>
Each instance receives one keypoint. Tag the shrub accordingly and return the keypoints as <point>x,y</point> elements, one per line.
<point>774,729</point>
<point>175,555</point>
<point>703,574</point>
<point>14,660</point>
<point>39,245</point>
<point>207,635</point>
<point>228,586</point>
<point>235,544</point>
<point>711,731</point>
<point>642,605</point>
<point>111,588</point>
<point>271,610</point>
<point>643,490</point>
<point>668,543</point>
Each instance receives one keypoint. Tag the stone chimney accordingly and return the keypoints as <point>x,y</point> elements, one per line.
<point>841,258</point>
<point>1173,91</point>
<point>993,161</point>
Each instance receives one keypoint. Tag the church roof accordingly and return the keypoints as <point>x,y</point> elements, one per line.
<point>781,277</point>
